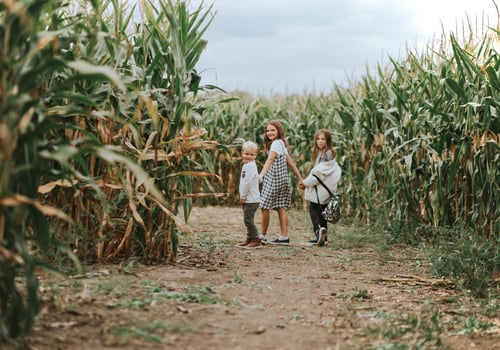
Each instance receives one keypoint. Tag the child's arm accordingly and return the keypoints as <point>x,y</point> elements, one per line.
<point>310,181</point>
<point>268,163</point>
<point>294,168</point>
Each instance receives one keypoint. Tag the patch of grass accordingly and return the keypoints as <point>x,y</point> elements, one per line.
<point>352,238</point>
<point>345,261</point>
<point>357,294</point>
<point>131,265</point>
<point>147,283</point>
<point>154,326</point>
<point>392,346</point>
<point>408,331</point>
<point>356,237</point>
<point>124,334</point>
<point>295,317</point>
<point>361,294</point>
<point>195,294</point>
<point>54,287</point>
<point>76,287</point>
<point>130,304</point>
<point>491,307</point>
<point>286,251</point>
<point>156,290</point>
<point>114,287</point>
<point>56,292</point>
<point>465,257</point>
<point>174,327</point>
<point>237,279</point>
<point>149,331</point>
<point>383,250</point>
<point>472,326</point>
<point>207,243</point>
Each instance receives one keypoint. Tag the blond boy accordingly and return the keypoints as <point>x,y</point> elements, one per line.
<point>249,194</point>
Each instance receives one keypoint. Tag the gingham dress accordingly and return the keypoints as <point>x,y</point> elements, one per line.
<point>275,192</point>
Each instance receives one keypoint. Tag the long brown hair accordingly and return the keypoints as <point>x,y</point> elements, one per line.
<point>281,134</point>
<point>329,144</point>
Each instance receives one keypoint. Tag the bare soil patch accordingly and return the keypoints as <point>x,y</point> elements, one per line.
<point>355,293</point>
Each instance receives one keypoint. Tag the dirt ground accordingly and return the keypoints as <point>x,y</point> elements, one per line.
<point>354,293</point>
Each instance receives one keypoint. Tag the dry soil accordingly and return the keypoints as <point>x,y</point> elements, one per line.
<point>355,293</point>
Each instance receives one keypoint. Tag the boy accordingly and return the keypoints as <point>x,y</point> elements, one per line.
<point>249,194</point>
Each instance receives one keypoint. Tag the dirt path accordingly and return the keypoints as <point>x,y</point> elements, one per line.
<point>354,293</point>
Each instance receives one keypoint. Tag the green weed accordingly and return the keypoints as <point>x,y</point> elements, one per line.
<point>423,330</point>
<point>124,334</point>
<point>295,317</point>
<point>358,294</point>
<point>237,279</point>
<point>472,326</point>
<point>467,258</point>
<point>131,304</point>
<point>195,294</point>
<point>114,287</point>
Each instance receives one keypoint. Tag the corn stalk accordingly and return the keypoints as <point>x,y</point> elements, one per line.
<point>92,129</point>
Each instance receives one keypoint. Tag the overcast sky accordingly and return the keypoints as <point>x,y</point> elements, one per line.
<point>296,46</point>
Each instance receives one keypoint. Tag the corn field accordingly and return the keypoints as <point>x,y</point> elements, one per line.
<point>418,141</point>
<point>107,132</point>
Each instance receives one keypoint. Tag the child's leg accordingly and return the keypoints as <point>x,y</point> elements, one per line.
<point>249,210</point>
<point>316,217</point>
<point>319,224</point>
<point>322,220</point>
<point>265,221</point>
<point>283,218</point>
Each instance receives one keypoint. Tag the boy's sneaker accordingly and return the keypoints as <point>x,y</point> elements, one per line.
<point>278,241</point>
<point>321,236</point>
<point>263,239</point>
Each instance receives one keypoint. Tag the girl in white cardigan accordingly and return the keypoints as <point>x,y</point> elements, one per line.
<point>327,169</point>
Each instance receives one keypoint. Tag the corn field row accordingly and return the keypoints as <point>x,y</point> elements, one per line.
<point>107,132</point>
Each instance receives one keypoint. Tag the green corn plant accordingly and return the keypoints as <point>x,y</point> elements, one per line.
<point>164,130</point>
<point>32,152</point>
<point>70,114</point>
<point>23,224</point>
<point>152,124</point>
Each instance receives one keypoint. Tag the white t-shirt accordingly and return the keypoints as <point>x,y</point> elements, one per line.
<point>278,146</point>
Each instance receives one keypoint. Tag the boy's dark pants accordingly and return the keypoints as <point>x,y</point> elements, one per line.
<point>317,219</point>
<point>249,210</point>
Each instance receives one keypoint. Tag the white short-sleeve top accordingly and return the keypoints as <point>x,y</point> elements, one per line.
<point>278,146</point>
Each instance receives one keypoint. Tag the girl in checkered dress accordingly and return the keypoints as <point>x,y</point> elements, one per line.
<point>275,194</point>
